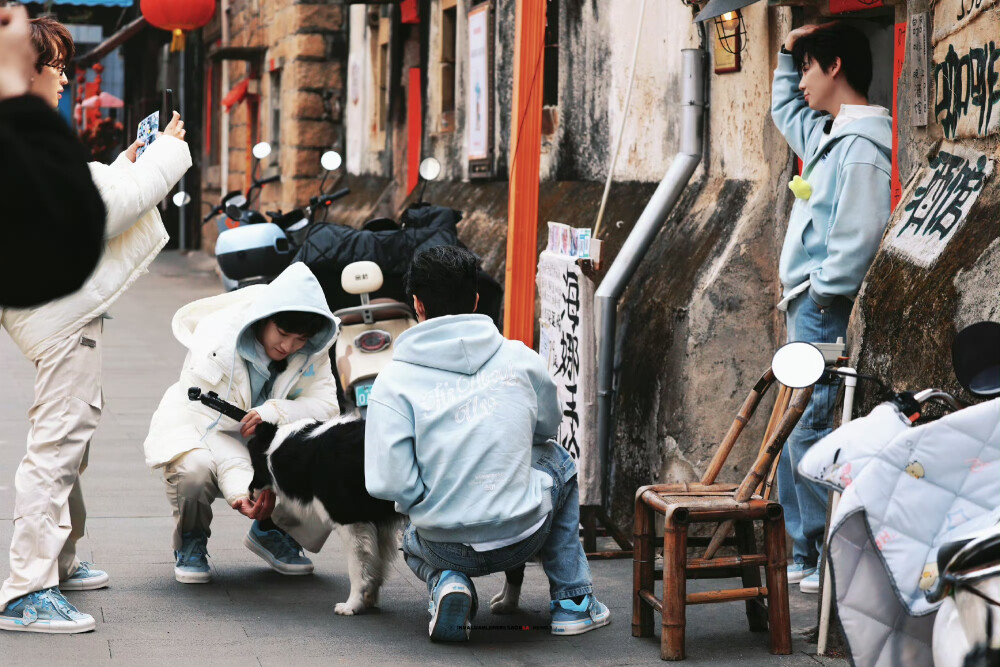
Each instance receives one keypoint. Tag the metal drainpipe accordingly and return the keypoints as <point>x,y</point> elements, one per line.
<point>642,235</point>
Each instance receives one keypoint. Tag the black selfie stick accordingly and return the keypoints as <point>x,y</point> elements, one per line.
<point>212,400</point>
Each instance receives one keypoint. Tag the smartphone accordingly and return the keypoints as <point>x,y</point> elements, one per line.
<point>166,108</point>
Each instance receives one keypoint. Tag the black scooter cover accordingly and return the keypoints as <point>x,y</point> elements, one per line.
<point>330,247</point>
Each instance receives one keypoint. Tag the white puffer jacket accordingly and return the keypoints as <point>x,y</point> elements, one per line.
<point>135,235</point>
<point>211,329</point>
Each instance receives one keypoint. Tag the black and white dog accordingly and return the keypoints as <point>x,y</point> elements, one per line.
<point>318,470</point>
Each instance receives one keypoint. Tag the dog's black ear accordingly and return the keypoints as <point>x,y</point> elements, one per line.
<point>262,437</point>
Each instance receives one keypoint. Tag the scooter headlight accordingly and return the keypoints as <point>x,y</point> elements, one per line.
<point>375,340</point>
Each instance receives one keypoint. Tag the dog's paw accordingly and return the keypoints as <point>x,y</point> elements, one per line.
<point>503,602</point>
<point>349,608</point>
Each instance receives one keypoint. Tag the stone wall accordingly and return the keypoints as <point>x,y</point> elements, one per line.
<point>307,42</point>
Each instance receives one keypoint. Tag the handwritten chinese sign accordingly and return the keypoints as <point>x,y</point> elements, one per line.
<point>951,16</point>
<point>939,204</point>
<point>917,66</point>
<point>568,345</point>
<point>967,80</point>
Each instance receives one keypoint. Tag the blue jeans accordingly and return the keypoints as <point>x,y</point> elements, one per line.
<point>804,502</point>
<point>557,541</point>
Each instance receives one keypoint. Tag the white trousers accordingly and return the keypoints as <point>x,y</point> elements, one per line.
<point>49,514</point>
<point>193,483</point>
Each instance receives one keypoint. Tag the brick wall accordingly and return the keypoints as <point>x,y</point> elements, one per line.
<point>306,41</point>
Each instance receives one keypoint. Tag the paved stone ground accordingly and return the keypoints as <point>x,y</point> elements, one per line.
<point>249,615</point>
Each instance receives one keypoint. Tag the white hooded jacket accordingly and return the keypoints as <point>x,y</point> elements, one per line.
<point>211,329</point>
<point>134,237</point>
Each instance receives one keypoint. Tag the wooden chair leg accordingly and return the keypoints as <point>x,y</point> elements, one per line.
<point>643,563</point>
<point>746,544</point>
<point>777,585</point>
<point>674,589</point>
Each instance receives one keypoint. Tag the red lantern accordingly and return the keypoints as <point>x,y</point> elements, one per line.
<point>178,16</point>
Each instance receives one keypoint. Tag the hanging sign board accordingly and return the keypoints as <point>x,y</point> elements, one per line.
<point>917,66</point>
<point>568,345</point>
<point>479,93</point>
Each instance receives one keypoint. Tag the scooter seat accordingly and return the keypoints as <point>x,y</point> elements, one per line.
<point>381,310</point>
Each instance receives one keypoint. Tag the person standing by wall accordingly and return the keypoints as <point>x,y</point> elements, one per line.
<point>819,103</point>
<point>63,339</point>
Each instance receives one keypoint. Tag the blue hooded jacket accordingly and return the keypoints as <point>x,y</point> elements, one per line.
<point>833,235</point>
<point>451,424</point>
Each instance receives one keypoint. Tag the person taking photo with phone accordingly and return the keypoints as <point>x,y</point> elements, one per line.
<point>63,339</point>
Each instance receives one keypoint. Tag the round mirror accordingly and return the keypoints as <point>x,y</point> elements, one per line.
<point>237,200</point>
<point>262,150</point>
<point>181,199</point>
<point>430,169</point>
<point>798,365</point>
<point>331,160</point>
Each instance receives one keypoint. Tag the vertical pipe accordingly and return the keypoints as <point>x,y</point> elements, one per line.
<point>182,215</point>
<point>641,237</point>
<point>525,160</point>
<point>223,116</point>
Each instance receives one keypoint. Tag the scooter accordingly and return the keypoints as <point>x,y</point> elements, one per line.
<point>367,332</point>
<point>250,249</point>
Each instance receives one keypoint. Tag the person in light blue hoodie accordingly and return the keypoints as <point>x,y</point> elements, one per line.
<point>819,103</point>
<point>460,435</point>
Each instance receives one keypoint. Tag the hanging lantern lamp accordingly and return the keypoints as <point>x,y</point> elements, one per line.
<point>178,16</point>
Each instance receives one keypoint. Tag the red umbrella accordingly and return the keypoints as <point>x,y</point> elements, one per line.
<point>105,100</point>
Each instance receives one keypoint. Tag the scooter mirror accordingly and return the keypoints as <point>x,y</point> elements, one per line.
<point>262,150</point>
<point>975,354</point>
<point>430,169</point>
<point>181,198</point>
<point>331,160</point>
<point>238,200</point>
<point>234,212</point>
<point>798,365</point>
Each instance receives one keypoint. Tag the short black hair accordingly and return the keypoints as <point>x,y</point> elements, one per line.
<point>445,279</point>
<point>299,322</point>
<point>838,40</point>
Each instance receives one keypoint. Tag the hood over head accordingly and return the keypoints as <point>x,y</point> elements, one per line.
<point>455,343</point>
<point>217,323</point>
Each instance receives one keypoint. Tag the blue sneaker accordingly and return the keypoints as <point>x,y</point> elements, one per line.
<point>86,578</point>
<point>45,611</point>
<point>799,571</point>
<point>278,549</point>
<point>570,618</point>
<point>451,608</point>
<point>811,583</point>
<point>192,560</point>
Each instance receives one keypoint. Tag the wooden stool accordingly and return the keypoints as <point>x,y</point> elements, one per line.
<point>737,507</point>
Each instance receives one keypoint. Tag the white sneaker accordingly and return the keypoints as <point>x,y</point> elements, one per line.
<point>45,611</point>
<point>811,583</point>
<point>799,571</point>
<point>86,578</point>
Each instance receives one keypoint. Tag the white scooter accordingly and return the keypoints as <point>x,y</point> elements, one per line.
<point>367,332</point>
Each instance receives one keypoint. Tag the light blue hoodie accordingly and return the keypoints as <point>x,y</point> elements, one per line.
<point>451,423</point>
<point>833,236</point>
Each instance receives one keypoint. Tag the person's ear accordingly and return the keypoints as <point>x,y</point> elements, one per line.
<point>475,307</point>
<point>418,306</point>
<point>836,67</point>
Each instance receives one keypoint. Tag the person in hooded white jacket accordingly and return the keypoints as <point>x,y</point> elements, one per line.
<point>265,349</point>
<point>63,338</point>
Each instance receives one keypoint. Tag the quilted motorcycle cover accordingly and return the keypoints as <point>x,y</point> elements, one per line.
<point>330,247</point>
<point>906,491</point>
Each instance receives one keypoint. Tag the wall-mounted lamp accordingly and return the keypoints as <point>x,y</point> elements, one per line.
<point>731,31</point>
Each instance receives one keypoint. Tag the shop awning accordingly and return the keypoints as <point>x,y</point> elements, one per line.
<point>96,3</point>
